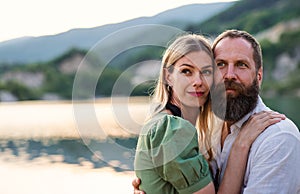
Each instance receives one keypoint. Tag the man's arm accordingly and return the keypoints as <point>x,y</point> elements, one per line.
<point>274,165</point>
<point>237,161</point>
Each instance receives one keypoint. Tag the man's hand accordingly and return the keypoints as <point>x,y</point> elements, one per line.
<point>136,183</point>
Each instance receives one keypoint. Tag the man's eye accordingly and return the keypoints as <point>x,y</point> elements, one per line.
<point>220,64</point>
<point>241,64</point>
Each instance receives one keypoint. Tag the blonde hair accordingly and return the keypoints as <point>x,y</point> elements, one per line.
<point>183,45</point>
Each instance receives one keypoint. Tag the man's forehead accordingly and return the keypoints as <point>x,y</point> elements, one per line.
<point>235,47</point>
<point>233,42</point>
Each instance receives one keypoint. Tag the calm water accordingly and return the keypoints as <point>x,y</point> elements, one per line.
<point>290,106</point>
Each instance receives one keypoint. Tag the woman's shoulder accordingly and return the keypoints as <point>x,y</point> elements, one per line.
<point>166,120</point>
<point>164,126</point>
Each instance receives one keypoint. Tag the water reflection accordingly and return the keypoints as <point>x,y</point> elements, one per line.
<point>70,151</point>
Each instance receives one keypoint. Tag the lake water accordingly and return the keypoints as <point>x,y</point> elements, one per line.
<point>27,149</point>
<point>290,106</point>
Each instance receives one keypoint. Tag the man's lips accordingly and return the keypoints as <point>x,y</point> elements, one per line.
<point>196,94</point>
<point>231,91</point>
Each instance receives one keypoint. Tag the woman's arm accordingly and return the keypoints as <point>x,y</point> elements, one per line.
<point>209,189</point>
<point>237,161</point>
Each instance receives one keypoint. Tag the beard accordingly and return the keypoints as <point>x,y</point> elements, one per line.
<point>231,107</point>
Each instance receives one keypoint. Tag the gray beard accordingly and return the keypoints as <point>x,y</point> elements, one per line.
<point>233,108</point>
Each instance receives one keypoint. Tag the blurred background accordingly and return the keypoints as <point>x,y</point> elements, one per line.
<point>38,130</point>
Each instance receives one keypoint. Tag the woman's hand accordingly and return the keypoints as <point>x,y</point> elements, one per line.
<point>255,125</point>
<point>136,183</point>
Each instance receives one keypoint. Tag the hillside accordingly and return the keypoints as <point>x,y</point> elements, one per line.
<point>252,16</point>
<point>136,66</point>
<point>45,48</point>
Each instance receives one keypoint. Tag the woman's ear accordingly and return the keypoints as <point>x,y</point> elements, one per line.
<point>168,77</point>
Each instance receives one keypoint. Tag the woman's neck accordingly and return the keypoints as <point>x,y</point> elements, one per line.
<point>190,113</point>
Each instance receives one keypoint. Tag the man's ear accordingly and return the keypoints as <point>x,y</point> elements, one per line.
<point>260,76</point>
<point>168,77</point>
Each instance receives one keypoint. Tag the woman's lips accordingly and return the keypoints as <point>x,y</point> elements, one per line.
<point>196,94</point>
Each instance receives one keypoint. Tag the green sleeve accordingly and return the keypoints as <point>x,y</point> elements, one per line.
<point>172,146</point>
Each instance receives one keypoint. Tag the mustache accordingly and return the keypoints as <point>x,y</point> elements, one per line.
<point>233,108</point>
<point>229,84</point>
<point>219,89</point>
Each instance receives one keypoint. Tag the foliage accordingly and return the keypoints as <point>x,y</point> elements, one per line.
<point>21,91</point>
<point>250,15</point>
<point>67,55</point>
<point>144,89</point>
<point>136,55</point>
<point>288,42</point>
<point>107,81</point>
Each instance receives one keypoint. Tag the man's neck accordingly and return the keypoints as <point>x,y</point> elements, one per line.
<point>225,132</point>
<point>229,123</point>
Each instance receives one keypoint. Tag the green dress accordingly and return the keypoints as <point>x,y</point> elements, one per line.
<point>167,157</point>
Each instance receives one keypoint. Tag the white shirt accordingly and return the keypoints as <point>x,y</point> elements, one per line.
<point>274,158</point>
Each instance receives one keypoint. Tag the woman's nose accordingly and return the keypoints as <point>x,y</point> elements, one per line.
<point>197,80</point>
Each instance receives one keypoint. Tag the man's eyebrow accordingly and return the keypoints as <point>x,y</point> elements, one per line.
<point>242,60</point>
<point>222,60</point>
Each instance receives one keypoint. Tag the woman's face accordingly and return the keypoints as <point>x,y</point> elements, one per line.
<point>191,79</point>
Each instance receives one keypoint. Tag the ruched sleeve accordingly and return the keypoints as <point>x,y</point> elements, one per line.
<point>168,159</point>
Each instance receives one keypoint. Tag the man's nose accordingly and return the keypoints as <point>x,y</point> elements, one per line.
<point>230,72</point>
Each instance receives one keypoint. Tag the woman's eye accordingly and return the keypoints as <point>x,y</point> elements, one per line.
<point>206,72</point>
<point>186,71</point>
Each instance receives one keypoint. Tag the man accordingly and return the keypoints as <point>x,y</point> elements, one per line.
<point>274,156</point>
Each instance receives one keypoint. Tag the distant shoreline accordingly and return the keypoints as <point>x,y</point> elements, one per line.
<point>56,119</point>
<point>132,99</point>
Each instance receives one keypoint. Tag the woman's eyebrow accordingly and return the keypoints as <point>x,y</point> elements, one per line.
<point>191,66</point>
<point>207,66</point>
<point>185,64</point>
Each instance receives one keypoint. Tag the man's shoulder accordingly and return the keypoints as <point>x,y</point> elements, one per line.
<point>284,126</point>
<point>283,131</point>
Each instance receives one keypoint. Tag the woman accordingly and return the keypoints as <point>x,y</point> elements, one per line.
<point>167,156</point>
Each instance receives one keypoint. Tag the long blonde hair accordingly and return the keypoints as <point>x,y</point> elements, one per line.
<point>183,45</point>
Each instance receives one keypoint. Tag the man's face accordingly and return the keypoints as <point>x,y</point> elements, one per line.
<point>234,59</point>
<point>237,73</point>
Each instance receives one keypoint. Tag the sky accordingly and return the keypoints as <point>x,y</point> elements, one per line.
<point>19,18</point>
